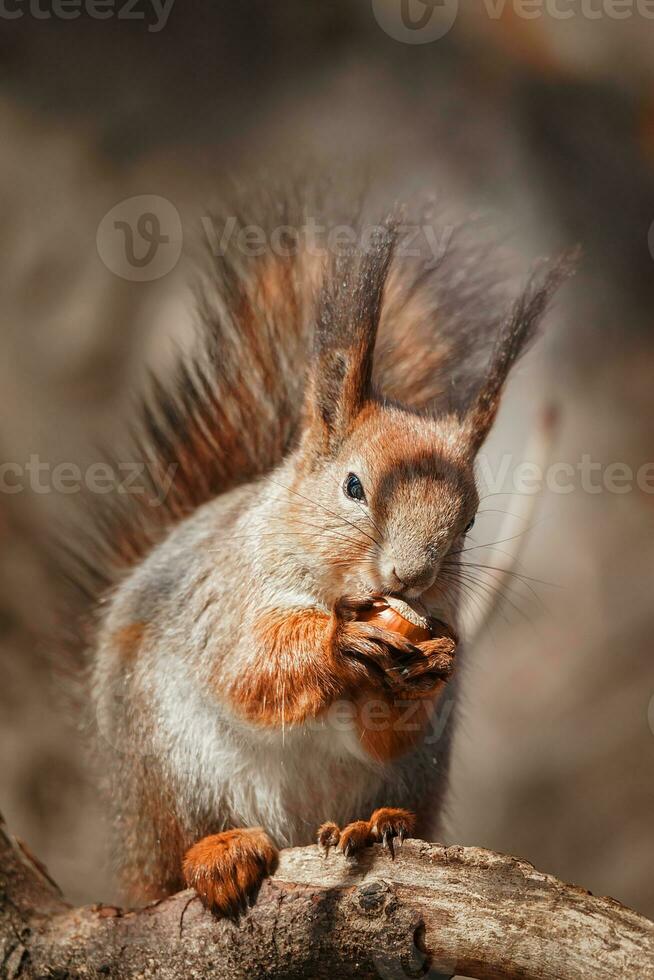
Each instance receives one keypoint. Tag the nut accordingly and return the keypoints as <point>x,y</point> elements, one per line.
<point>396,615</point>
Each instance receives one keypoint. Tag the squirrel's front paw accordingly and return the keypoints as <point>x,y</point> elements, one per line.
<point>227,869</point>
<point>435,664</point>
<point>389,660</point>
<point>376,655</point>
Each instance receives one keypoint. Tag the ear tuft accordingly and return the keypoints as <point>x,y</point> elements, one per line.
<point>516,334</point>
<point>346,330</point>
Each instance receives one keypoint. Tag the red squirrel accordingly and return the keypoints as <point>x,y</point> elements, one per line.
<point>323,441</point>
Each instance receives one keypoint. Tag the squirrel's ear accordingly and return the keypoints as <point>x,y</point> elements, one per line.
<point>340,382</point>
<point>516,333</point>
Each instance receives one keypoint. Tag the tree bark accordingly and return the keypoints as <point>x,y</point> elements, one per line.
<point>434,910</point>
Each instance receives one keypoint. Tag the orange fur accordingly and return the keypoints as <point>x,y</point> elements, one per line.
<point>290,679</point>
<point>384,826</point>
<point>308,658</point>
<point>227,869</point>
<point>127,642</point>
<point>390,726</point>
<point>390,723</point>
<point>281,396</point>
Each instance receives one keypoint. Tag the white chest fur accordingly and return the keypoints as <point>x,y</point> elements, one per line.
<point>287,780</point>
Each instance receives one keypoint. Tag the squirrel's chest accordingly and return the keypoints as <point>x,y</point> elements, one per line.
<point>287,780</point>
<point>288,783</point>
<point>298,791</point>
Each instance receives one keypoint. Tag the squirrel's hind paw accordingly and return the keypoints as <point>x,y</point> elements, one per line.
<point>355,837</point>
<point>390,823</point>
<point>386,825</point>
<point>227,870</point>
<point>328,836</point>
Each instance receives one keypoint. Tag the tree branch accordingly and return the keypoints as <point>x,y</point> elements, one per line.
<point>432,910</point>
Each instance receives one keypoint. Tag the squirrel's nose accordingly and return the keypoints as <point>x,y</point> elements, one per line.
<point>415,577</point>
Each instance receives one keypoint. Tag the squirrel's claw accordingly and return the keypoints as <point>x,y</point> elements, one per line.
<point>387,826</point>
<point>227,869</point>
<point>387,842</point>
<point>329,835</point>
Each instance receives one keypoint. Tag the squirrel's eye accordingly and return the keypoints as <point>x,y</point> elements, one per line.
<point>469,526</point>
<point>353,487</point>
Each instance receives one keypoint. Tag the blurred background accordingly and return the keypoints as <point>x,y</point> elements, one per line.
<point>543,125</point>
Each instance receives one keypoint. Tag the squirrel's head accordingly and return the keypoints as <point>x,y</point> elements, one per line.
<point>391,501</point>
<point>382,494</point>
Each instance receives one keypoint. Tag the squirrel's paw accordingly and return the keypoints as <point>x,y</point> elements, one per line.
<point>355,837</point>
<point>348,607</point>
<point>389,660</point>
<point>227,870</point>
<point>376,653</point>
<point>390,823</point>
<point>328,836</point>
<point>385,826</point>
<point>435,664</point>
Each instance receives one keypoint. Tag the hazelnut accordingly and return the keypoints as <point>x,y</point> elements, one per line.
<point>396,615</point>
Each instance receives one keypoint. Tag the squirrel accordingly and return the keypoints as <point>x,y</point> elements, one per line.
<point>323,440</point>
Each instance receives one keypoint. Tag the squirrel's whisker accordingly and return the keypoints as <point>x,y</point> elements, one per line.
<point>370,518</point>
<point>315,503</point>
<point>495,590</point>
<point>468,589</point>
<point>318,527</point>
